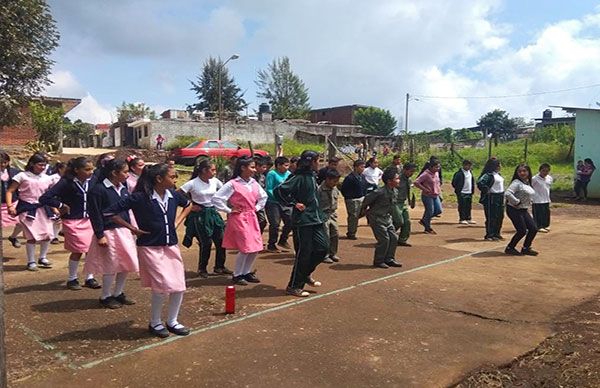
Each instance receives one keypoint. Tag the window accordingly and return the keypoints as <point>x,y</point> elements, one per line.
<point>139,131</point>
<point>193,145</point>
<point>145,131</point>
<point>212,144</point>
<point>228,144</point>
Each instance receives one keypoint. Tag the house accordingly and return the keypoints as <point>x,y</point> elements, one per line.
<point>548,120</point>
<point>335,115</point>
<point>587,141</point>
<point>23,132</point>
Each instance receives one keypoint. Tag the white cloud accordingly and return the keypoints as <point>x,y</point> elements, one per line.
<point>91,111</point>
<point>64,84</point>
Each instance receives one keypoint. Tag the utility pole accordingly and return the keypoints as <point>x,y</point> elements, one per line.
<point>406,115</point>
<point>220,92</point>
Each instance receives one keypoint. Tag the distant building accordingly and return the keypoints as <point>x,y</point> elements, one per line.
<point>343,115</point>
<point>548,120</point>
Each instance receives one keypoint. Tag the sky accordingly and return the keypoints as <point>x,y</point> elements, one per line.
<point>346,51</point>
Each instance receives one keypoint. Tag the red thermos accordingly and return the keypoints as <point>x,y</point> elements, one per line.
<point>229,300</point>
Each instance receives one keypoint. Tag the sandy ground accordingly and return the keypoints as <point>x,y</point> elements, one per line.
<point>458,304</point>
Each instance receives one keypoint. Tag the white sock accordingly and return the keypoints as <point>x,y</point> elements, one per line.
<point>240,261</point>
<point>56,228</point>
<point>175,300</point>
<point>16,231</point>
<point>120,283</point>
<point>156,307</point>
<point>250,258</point>
<point>30,249</point>
<point>44,247</point>
<point>73,267</point>
<point>89,276</point>
<point>107,281</point>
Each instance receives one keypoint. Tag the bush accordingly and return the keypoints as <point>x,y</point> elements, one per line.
<point>181,142</point>
<point>290,147</point>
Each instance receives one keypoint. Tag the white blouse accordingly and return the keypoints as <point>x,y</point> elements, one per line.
<point>498,186</point>
<point>542,188</point>
<point>202,192</point>
<point>221,197</point>
<point>372,175</point>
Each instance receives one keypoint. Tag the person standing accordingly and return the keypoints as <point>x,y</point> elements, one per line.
<point>464,187</point>
<point>372,174</point>
<point>328,200</point>
<point>263,165</point>
<point>401,216</point>
<point>227,171</point>
<point>519,196</point>
<point>491,185</point>
<point>429,184</point>
<point>541,183</point>
<point>310,239</point>
<point>583,179</point>
<point>159,141</point>
<point>276,211</point>
<point>354,189</point>
<point>6,175</point>
<point>396,163</point>
<point>332,164</point>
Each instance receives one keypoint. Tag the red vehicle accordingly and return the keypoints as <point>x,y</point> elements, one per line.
<point>212,149</point>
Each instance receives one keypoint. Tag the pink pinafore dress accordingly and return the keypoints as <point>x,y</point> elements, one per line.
<point>242,232</point>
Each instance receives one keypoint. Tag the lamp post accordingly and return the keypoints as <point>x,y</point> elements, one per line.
<point>408,98</point>
<point>220,69</point>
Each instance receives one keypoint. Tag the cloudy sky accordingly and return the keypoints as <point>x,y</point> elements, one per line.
<point>346,51</point>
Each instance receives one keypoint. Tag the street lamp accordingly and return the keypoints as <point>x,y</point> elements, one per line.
<point>220,69</point>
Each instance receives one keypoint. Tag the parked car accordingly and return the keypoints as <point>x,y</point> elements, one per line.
<point>212,149</point>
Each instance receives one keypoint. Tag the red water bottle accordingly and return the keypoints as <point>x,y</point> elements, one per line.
<point>229,300</point>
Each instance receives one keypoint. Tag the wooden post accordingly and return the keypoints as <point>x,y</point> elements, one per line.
<point>411,150</point>
<point>251,150</point>
<point>3,382</point>
<point>526,141</point>
<point>490,148</point>
<point>332,139</point>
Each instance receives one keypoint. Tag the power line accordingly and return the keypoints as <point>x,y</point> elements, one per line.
<point>507,95</point>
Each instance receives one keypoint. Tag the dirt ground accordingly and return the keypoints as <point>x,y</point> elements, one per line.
<point>458,312</point>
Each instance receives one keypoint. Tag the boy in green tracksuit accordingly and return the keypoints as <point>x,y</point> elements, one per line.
<point>379,206</point>
<point>310,240</point>
<point>328,199</point>
<point>401,217</point>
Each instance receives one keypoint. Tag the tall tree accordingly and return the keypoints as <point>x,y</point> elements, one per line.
<point>128,112</point>
<point>28,35</point>
<point>207,89</point>
<point>375,121</point>
<point>498,124</point>
<point>284,90</point>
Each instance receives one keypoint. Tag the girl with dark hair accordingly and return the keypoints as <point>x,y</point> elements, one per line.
<point>583,179</point>
<point>112,252</point>
<point>310,239</point>
<point>491,185</point>
<point>372,174</point>
<point>519,196</point>
<point>71,196</point>
<point>275,211</point>
<point>541,183</point>
<point>6,175</point>
<point>241,197</point>
<point>429,184</point>
<point>136,166</point>
<point>56,173</point>
<point>204,222</point>
<point>32,183</point>
<point>154,203</point>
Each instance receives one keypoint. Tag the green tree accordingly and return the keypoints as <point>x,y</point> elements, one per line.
<point>498,124</point>
<point>128,112</point>
<point>466,134</point>
<point>284,90</point>
<point>28,35</point>
<point>375,121</point>
<point>78,131</point>
<point>48,122</point>
<point>207,89</point>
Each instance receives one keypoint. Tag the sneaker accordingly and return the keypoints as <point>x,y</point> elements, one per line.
<point>488,238</point>
<point>159,330</point>
<point>335,258</point>
<point>92,283</point>
<point>430,231</point>
<point>223,271</point>
<point>73,285</point>
<point>251,277</point>
<point>110,303</point>
<point>351,237</point>
<point>299,292</point>
<point>15,242</point>
<point>313,282</point>
<point>284,245</point>
<point>393,263</point>
<point>499,237</point>
<point>471,222</point>
<point>529,252</point>
<point>543,230</point>
<point>32,266</point>
<point>512,251</point>
<point>272,249</point>
<point>203,274</point>
<point>381,265</point>
<point>124,300</point>
<point>464,222</point>
<point>239,280</point>
<point>404,244</point>
<point>54,241</point>
<point>44,263</point>
<point>178,329</point>
<point>328,260</point>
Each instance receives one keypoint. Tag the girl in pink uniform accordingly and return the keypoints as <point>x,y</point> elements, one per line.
<point>6,175</point>
<point>241,197</point>
<point>154,203</point>
<point>32,183</point>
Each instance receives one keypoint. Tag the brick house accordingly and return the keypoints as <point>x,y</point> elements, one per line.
<point>23,132</point>
<point>335,115</point>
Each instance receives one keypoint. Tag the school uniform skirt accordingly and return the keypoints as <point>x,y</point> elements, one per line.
<point>119,256</point>
<point>7,219</point>
<point>78,235</point>
<point>161,268</point>
<point>38,228</point>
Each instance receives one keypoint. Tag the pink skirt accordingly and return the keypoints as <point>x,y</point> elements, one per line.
<point>78,235</point>
<point>242,233</point>
<point>38,229</point>
<point>7,219</point>
<point>119,256</point>
<point>161,268</point>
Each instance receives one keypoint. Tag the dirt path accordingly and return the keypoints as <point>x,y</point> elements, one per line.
<point>457,304</point>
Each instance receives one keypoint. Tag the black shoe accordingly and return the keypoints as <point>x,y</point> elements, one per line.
<point>273,249</point>
<point>499,237</point>
<point>381,265</point>
<point>111,303</point>
<point>529,252</point>
<point>393,263</point>
<point>159,330</point>
<point>223,271</point>
<point>335,258</point>
<point>488,238</point>
<point>124,300</point>
<point>54,241</point>
<point>203,274</point>
<point>178,329</point>
<point>239,280</point>
<point>44,263</point>
<point>73,285</point>
<point>404,244</point>
<point>299,292</point>
<point>328,260</point>
<point>251,277</point>
<point>512,251</point>
<point>92,283</point>
<point>15,242</point>
<point>284,245</point>
<point>351,237</point>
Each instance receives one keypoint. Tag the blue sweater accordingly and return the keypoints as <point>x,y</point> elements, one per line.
<point>274,179</point>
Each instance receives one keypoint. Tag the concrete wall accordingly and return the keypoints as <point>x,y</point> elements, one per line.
<point>587,145</point>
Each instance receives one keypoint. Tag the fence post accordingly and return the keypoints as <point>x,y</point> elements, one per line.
<point>332,140</point>
<point>490,148</point>
<point>526,142</point>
